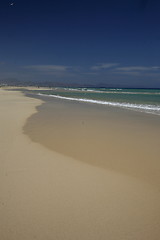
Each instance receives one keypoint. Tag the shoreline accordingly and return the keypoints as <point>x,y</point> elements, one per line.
<point>47,193</point>
<point>147,109</point>
<point>98,134</point>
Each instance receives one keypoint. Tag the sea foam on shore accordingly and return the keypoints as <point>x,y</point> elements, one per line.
<point>142,100</point>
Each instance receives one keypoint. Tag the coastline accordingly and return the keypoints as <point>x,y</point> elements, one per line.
<point>50,191</point>
<point>97,135</point>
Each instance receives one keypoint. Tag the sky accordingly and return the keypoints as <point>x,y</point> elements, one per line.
<point>110,43</point>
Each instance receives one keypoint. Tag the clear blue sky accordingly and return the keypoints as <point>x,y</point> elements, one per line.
<point>109,43</point>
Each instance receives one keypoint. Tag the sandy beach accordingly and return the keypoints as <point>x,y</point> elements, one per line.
<point>72,172</point>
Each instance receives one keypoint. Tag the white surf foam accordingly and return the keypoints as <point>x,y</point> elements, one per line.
<point>153,109</point>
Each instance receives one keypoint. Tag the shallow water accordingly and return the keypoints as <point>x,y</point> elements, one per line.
<point>143,100</point>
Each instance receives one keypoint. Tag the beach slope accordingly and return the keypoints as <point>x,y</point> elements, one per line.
<point>48,195</point>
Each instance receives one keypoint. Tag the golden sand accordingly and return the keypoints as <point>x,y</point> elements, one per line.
<point>52,191</point>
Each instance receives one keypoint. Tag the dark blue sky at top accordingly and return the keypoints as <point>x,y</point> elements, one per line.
<point>109,43</point>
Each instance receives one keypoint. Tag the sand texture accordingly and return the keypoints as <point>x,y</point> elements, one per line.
<point>51,188</point>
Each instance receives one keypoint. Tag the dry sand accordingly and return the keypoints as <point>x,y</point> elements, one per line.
<point>46,194</point>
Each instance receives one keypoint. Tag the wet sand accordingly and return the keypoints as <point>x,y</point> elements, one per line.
<point>111,138</point>
<point>73,171</point>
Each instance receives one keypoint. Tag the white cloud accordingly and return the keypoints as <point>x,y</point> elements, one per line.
<point>133,73</point>
<point>103,66</point>
<point>156,67</point>
<point>49,68</point>
<point>137,68</point>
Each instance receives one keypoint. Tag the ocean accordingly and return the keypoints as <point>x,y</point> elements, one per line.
<point>143,100</point>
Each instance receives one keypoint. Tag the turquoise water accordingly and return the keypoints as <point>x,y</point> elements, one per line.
<point>144,100</point>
